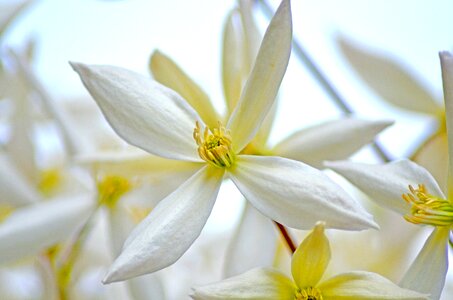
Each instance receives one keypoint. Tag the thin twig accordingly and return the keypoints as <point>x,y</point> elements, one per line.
<point>285,234</point>
<point>335,96</point>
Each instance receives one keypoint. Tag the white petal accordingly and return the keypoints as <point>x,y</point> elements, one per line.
<point>390,80</point>
<point>386,183</point>
<point>9,11</point>
<point>264,81</point>
<point>263,284</point>
<point>143,112</point>
<point>295,194</point>
<point>73,140</point>
<point>331,140</point>
<point>170,229</point>
<point>33,228</point>
<point>146,287</point>
<point>253,37</point>
<point>253,245</point>
<point>427,273</point>
<point>432,155</point>
<point>233,60</point>
<point>446,60</point>
<point>169,74</point>
<point>20,146</point>
<point>14,188</point>
<point>365,286</point>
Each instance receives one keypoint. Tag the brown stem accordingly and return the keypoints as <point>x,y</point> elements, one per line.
<point>285,234</point>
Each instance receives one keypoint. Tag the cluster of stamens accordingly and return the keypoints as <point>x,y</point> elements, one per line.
<point>308,293</point>
<point>214,145</point>
<point>428,209</point>
<point>111,188</point>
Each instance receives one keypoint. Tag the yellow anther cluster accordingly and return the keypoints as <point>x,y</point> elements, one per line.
<point>428,209</point>
<point>50,179</point>
<point>111,188</point>
<point>214,146</point>
<point>308,293</point>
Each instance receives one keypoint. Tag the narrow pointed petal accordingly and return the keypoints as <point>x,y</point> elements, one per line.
<point>33,228</point>
<point>264,81</point>
<point>170,229</point>
<point>331,140</point>
<point>20,146</point>
<point>386,183</point>
<point>146,287</point>
<point>252,35</point>
<point>9,11</point>
<point>233,60</point>
<point>167,72</point>
<point>284,190</point>
<point>311,258</point>
<point>263,284</point>
<point>14,188</point>
<point>427,273</point>
<point>74,142</point>
<point>446,59</point>
<point>432,155</point>
<point>143,112</point>
<point>365,286</point>
<point>394,83</point>
<point>255,231</point>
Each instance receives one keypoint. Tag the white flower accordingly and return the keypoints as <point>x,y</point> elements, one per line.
<point>308,265</point>
<point>158,120</point>
<point>424,202</point>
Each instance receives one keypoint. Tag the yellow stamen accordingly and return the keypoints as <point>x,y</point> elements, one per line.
<point>428,209</point>
<point>5,211</point>
<point>308,293</point>
<point>50,179</point>
<point>111,188</point>
<point>214,145</point>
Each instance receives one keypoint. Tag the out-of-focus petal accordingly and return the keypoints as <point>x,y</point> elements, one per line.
<point>142,111</point>
<point>263,284</point>
<point>284,190</point>
<point>386,183</point>
<point>14,188</point>
<point>331,140</point>
<point>427,273</point>
<point>233,60</point>
<point>9,11</point>
<point>390,80</point>
<point>264,81</point>
<point>74,142</point>
<point>432,155</point>
<point>146,287</point>
<point>365,286</point>
<point>255,231</point>
<point>311,258</point>
<point>33,228</point>
<point>252,36</point>
<point>171,227</point>
<point>446,60</point>
<point>169,74</point>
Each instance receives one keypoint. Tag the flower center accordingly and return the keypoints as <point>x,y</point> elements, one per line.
<point>428,209</point>
<point>308,293</point>
<point>111,188</point>
<point>49,181</point>
<point>214,145</point>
